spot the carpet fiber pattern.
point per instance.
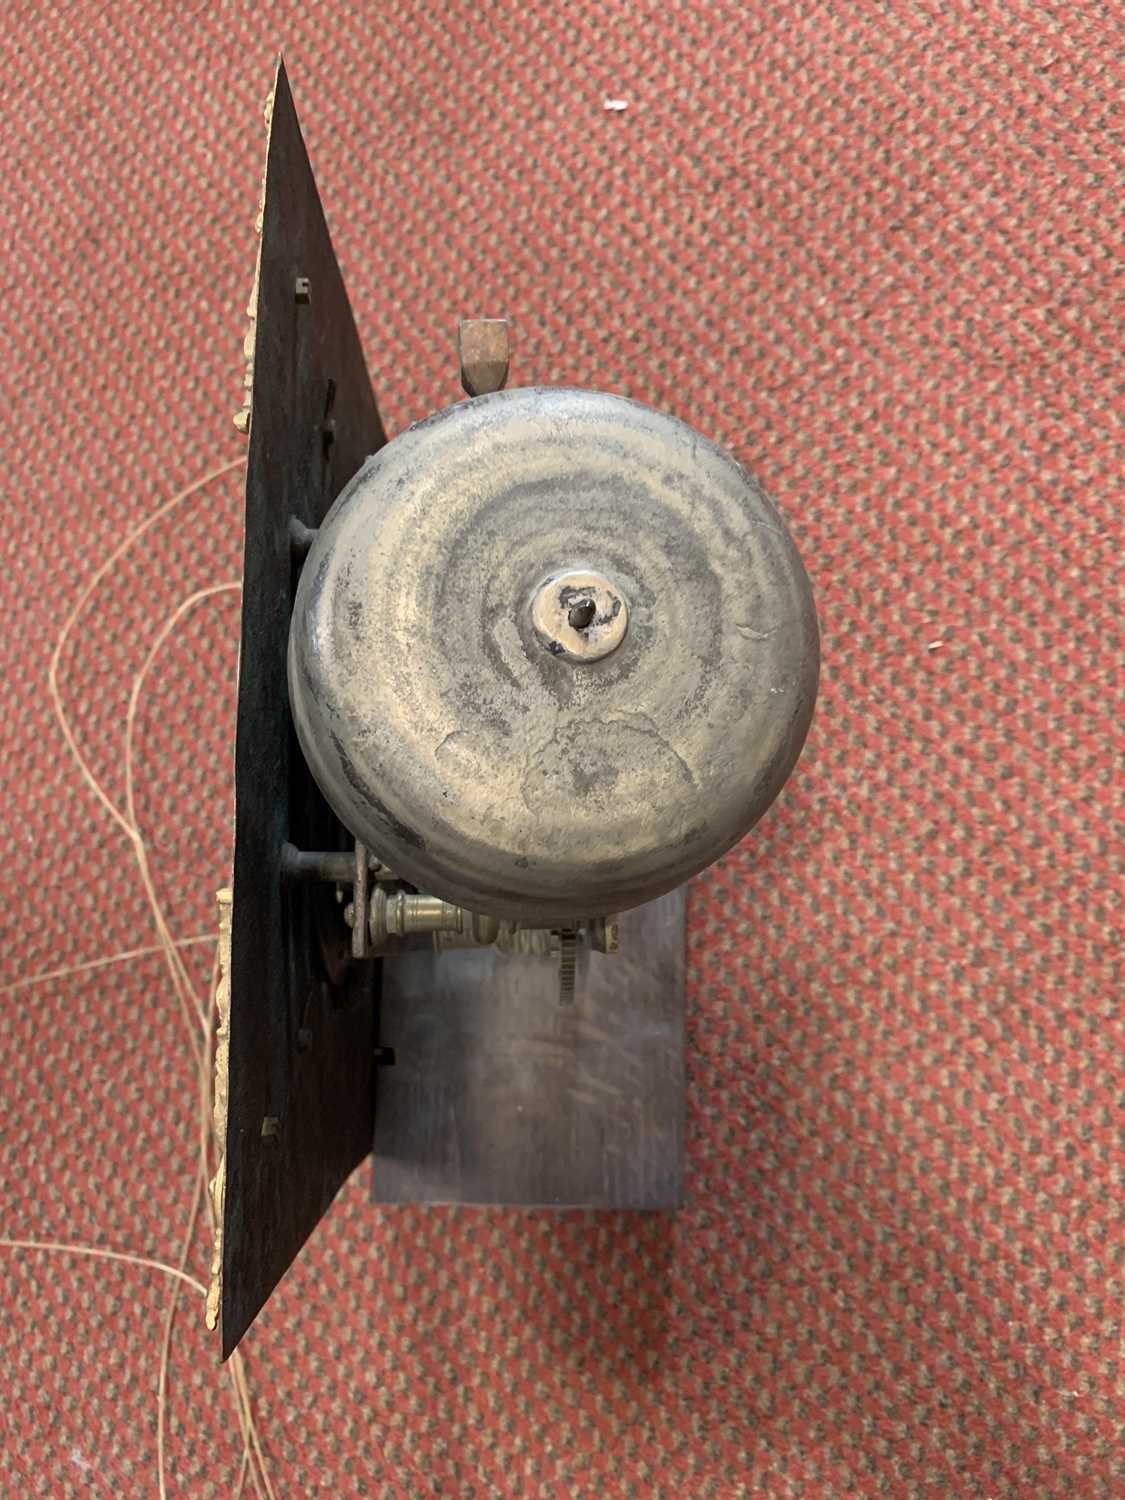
(875, 249)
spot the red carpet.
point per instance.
(874, 249)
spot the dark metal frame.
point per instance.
(302, 1016)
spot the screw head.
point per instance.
(580, 615)
(483, 351)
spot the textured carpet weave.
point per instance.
(875, 249)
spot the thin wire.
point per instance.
(102, 963)
(194, 1014)
(166, 1339)
(96, 1252)
(247, 1426)
(236, 1372)
(80, 604)
(180, 976)
(127, 827)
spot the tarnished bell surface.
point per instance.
(552, 653)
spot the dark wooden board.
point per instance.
(302, 1019)
(502, 1095)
